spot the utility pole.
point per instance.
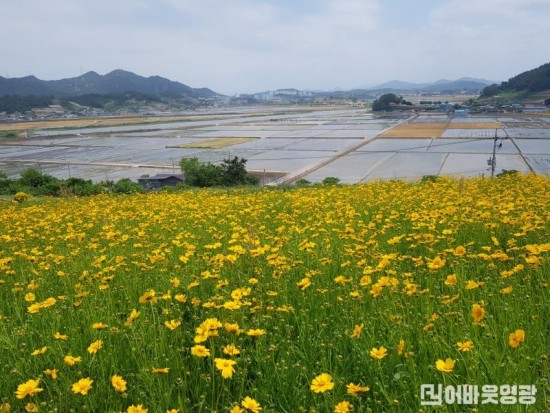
(493, 160)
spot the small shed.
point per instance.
(160, 181)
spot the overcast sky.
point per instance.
(234, 46)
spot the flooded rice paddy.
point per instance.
(353, 145)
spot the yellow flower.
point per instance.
(255, 332)
(226, 367)
(99, 326)
(470, 285)
(200, 351)
(39, 351)
(379, 353)
(118, 383)
(58, 336)
(343, 407)
(516, 338)
(136, 409)
(95, 346)
(29, 388)
(71, 361)
(400, 347)
(82, 386)
(477, 313)
(148, 297)
(355, 389)
(459, 251)
(446, 366)
(304, 283)
(180, 298)
(30, 297)
(231, 350)
(322, 383)
(232, 328)
(132, 317)
(163, 370)
(34, 308)
(451, 280)
(506, 290)
(237, 409)
(436, 263)
(51, 373)
(172, 324)
(31, 408)
(357, 330)
(251, 404)
(465, 345)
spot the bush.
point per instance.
(126, 186)
(79, 187)
(302, 182)
(331, 180)
(200, 174)
(429, 178)
(231, 172)
(507, 172)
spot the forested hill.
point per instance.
(117, 81)
(532, 81)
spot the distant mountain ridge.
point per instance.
(464, 83)
(117, 81)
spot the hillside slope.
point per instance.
(529, 82)
(117, 81)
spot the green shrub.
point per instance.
(508, 172)
(331, 180)
(126, 186)
(302, 182)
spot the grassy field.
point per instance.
(321, 299)
(214, 143)
(475, 125)
(416, 130)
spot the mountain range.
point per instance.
(464, 83)
(117, 81)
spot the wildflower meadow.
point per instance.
(317, 299)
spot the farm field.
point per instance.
(351, 144)
(319, 299)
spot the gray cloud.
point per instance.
(251, 45)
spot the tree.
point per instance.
(384, 102)
(231, 172)
(201, 174)
(234, 172)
